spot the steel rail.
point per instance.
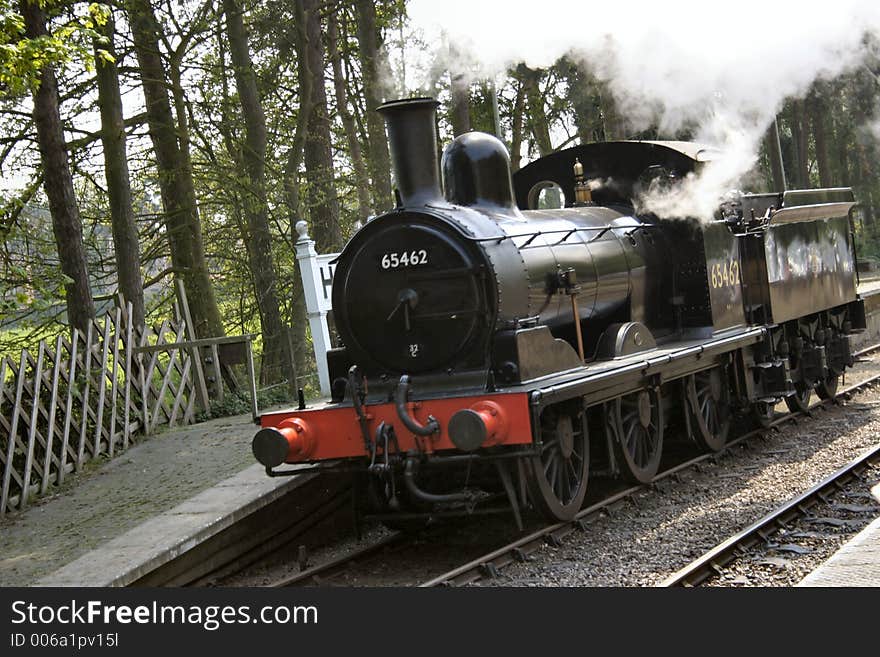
(320, 573)
(491, 563)
(234, 560)
(233, 557)
(518, 550)
(713, 561)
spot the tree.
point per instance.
(362, 181)
(537, 114)
(584, 98)
(58, 182)
(774, 155)
(183, 227)
(818, 113)
(258, 238)
(516, 128)
(799, 137)
(323, 204)
(125, 236)
(379, 159)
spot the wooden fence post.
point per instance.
(200, 385)
(32, 434)
(253, 380)
(102, 389)
(146, 384)
(13, 430)
(53, 406)
(126, 432)
(218, 375)
(68, 416)
(87, 359)
(114, 384)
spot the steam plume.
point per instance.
(722, 70)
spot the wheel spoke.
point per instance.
(705, 403)
(553, 471)
(572, 471)
(559, 474)
(548, 444)
(550, 460)
(647, 447)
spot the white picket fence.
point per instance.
(87, 395)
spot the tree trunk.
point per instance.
(774, 154)
(302, 355)
(537, 115)
(841, 147)
(799, 142)
(58, 182)
(125, 235)
(276, 357)
(379, 160)
(362, 182)
(862, 106)
(613, 125)
(323, 204)
(182, 224)
(818, 112)
(517, 127)
(581, 95)
(294, 156)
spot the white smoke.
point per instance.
(722, 70)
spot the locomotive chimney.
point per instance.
(412, 136)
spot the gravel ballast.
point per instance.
(657, 532)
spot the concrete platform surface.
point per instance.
(857, 563)
(105, 502)
(163, 537)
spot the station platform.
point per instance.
(113, 522)
(856, 564)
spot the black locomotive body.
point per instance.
(489, 345)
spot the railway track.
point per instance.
(325, 572)
(490, 564)
(714, 562)
(272, 536)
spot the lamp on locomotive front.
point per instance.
(482, 425)
(291, 441)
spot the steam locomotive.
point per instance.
(495, 353)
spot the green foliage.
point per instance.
(240, 403)
(576, 105)
(69, 39)
(30, 277)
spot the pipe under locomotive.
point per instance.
(476, 335)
